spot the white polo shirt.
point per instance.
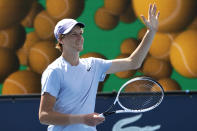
(74, 87)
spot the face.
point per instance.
(73, 40)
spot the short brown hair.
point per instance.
(59, 45)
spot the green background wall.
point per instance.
(108, 44)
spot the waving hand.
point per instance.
(153, 16)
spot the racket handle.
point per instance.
(106, 114)
(101, 115)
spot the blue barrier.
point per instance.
(177, 112)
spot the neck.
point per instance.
(71, 57)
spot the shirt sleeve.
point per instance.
(102, 67)
(50, 82)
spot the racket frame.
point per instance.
(126, 110)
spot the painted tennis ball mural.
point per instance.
(128, 45)
(22, 53)
(161, 44)
(41, 55)
(112, 12)
(105, 20)
(175, 40)
(128, 16)
(169, 84)
(193, 25)
(12, 12)
(60, 9)
(22, 82)
(183, 54)
(34, 10)
(156, 68)
(12, 37)
(175, 15)
(9, 63)
(44, 26)
(141, 33)
(116, 7)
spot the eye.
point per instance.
(74, 34)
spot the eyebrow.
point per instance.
(76, 31)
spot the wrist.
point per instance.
(76, 119)
(81, 119)
(152, 31)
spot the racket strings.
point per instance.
(144, 94)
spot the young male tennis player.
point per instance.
(69, 84)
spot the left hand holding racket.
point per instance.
(92, 119)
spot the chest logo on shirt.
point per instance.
(89, 68)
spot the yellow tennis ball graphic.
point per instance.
(34, 10)
(128, 46)
(9, 63)
(31, 39)
(22, 53)
(156, 68)
(116, 7)
(41, 55)
(105, 20)
(22, 82)
(183, 54)
(12, 37)
(22, 56)
(161, 44)
(13, 11)
(141, 33)
(169, 84)
(60, 9)
(44, 26)
(193, 25)
(128, 16)
(175, 15)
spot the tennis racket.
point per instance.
(146, 94)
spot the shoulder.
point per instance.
(55, 66)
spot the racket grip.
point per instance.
(106, 114)
(101, 115)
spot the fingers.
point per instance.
(93, 119)
(98, 119)
(154, 10)
(157, 17)
(144, 19)
(150, 10)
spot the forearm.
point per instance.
(56, 118)
(137, 57)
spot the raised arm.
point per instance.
(134, 61)
(48, 116)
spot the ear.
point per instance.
(59, 41)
